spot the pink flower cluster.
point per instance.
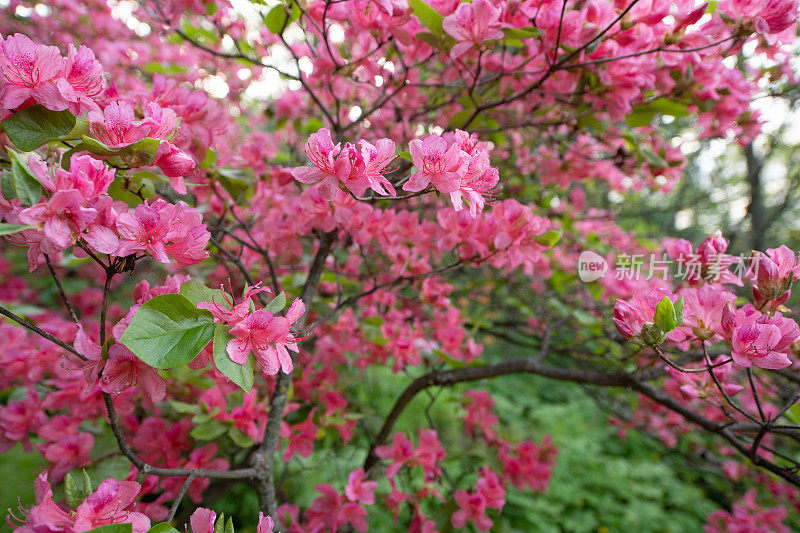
(358, 170)
(76, 207)
(747, 516)
(456, 164)
(35, 73)
(261, 332)
(772, 275)
(473, 23)
(331, 511)
(489, 493)
(111, 503)
(401, 452)
(117, 126)
(759, 339)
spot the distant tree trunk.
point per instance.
(756, 209)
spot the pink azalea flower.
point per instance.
(87, 175)
(265, 523)
(175, 164)
(472, 508)
(259, 333)
(144, 229)
(436, 163)
(84, 76)
(478, 181)
(117, 125)
(472, 24)
(124, 370)
(231, 312)
(355, 515)
(358, 489)
(70, 451)
(321, 151)
(30, 71)
(491, 489)
(61, 218)
(754, 344)
(377, 159)
(110, 504)
(202, 520)
(351, 170)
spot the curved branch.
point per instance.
(589, 377)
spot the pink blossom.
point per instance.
(84, 74)
(202, 520)
(70, 451)
(472, 24)
(472, 508)
(117, 125)
(265, 523)
(144, 229)
(124, 370)
(31, 71)
(436, 163)
(110, 504)
(754, 344)
(358, 489)
(351, 170)
(321, 151)
(231, 312)
(261, 332)
(175, 164)
(377, 159)
(491, 489)
(61, 218)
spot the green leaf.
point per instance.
(549, 239)
(94, 146)
(141, 153)
(196, 292)
(652, 158)
(71, 493)
(209, 430)
(8, 229)
(242, 375)
(219, 527)
(36, 125)
(239, 437)
(668, 315)
(428, 16)
(229, 526)
(638, 119)
(87, 482)
(665, 106)
(277, 304)
(113, 528)
(236, 181)
(168, 331)
(279, 18)
(521, 33)
(162, 527)
(23, 183)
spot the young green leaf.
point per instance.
(277, 304)
(168, 331)
(8, 229)
(23, 183)
(428, 16)
(36, 125)
(668, 315)
(242, 375)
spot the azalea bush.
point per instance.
(246, 244)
